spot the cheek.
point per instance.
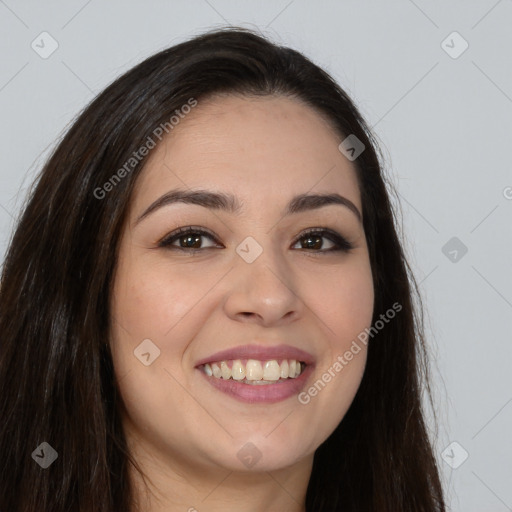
(153, 302)
(147, 303)
(346, 309)
(344, 305)
(344, 301)
(150, 301)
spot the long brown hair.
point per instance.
(56, 372)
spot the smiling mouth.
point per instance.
(254, 371)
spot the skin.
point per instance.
(184, 433)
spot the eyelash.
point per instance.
(341, 243)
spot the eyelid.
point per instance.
(185, 230)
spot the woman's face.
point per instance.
(248, 291)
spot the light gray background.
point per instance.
(445, 124)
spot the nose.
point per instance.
(263, 292)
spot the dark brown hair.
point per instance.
(56, 372)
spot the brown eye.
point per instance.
(189, 239)
(314, 241)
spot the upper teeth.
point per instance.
(254, 369)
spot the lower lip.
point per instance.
(263, 393)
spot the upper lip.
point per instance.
(259, 352)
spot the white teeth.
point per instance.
(225, 369)
(216, 371)
(293, 366)
(271, 371)
(238, 370)
(285, 373)
(254, 371)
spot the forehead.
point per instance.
(264, 148)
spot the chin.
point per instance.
(259, 454)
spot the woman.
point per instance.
(205, 304)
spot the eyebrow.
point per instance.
(230, 204)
